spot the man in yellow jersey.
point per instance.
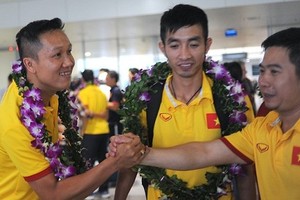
(95, 128)
(186, 112)
(271, 142)
(34, 162)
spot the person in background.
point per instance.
(114, 103)
(237, 72)
(186, 102)
(34, 164)
(94, 129)
(249, 86)
(271, 142)
(114, 119)
(131, 73)
(102, 82)
(9, 80)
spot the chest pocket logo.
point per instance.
(165, 116)
(262, 147)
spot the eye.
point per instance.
(261, 70)
(274, 72)
(194, 45)
(57, 55)
(173, 45)
(70, 51)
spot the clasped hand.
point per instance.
(127, 145)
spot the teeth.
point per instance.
(65, 73)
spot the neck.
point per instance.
(185, 92)
(289, 119)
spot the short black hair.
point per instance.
(133, 70)
(28, 38)
(180, 16)
(113, 74)
(88, 75)
(289, 39)
(235, 70)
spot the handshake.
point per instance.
(128, 149)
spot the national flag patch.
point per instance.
(212, 121)
(296, 156)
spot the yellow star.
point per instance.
(217, 122)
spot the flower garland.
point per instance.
(230, 94)
(64, 157)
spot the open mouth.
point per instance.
(68, 73)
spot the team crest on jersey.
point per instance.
(262, 147)
(296, 156)
(212, 121)
(165, 116)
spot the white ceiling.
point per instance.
(136, 34)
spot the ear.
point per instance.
(162, 48)
(208, 44)
(29, 63)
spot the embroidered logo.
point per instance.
(212, 121)
(296, 156)
(165, 116)
(262, 147)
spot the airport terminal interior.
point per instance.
(123, 34)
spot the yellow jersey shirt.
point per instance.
(19, 161)
(276, 155)
(178, 123)
(94, 100)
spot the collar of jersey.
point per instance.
(205, 93)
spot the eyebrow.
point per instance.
(269, 65)
(195, 38)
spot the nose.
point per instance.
(185, 52)
(69, 61)
(263, 80)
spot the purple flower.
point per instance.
(34, 93)
(26, 105)
(54, 162)
(68, 171)
(137, 77)
(38, 109)
(236, 169)
(236, 88)
(219, 71)
(37, 143)
(27, 118)
(238, 117)
(17, 66)
(150, 71)
(145, 96)
(54, 151)
(239, 98)
(36, 129)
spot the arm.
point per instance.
(190, 156)
(113, 105)
(103, 115)
(48, 187)
(247, 183)
(125, 181)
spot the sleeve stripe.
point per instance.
(38, 175)
(236, 151)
